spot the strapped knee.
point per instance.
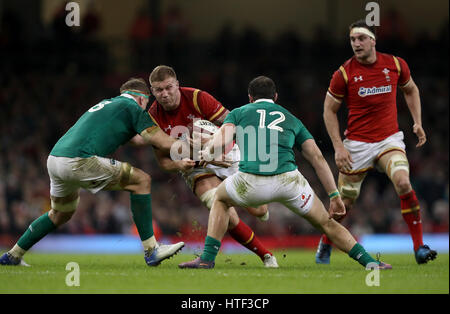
(395, 163)
(125, 174)
(207, 198)
(70, 206)
(349, 189)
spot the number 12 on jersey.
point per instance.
(274, 124)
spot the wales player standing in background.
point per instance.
(266, 134)
(368, 84)
(78, 160)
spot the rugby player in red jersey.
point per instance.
(174, 110)
(368, 83)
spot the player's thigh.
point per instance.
(205, 184)
(130, 179)
(317, 215)
(394, 162)
(350, 185)
(223, 196)
(63, 207)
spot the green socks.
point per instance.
(141, 208)
(211, 249)
(359, 254)
(36, 231)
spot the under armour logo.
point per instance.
(358, 78)
(191, 117)
(168, 128)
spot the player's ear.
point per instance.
(141, 101)
(250, 98)
(275, 98)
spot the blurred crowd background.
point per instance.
(49, 76)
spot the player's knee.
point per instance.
(403, 185)
(349, 191)
(207, 198)
(60, 217)
(397, 168)
(144, 182)
(234, 219)
(63, 207)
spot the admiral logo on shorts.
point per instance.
(367, 91)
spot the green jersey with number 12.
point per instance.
(266, 134)
(103, 128)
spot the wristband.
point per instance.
(334, 194)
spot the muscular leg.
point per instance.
(138, 183)
(396, 168)
(237, 229)
(62, 210)
(340, 236)
(349, 187)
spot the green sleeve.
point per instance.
(302, 135)
(141, 119)
(231, 117)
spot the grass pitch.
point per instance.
(233, 274)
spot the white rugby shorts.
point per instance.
(290, 189)
(365, 155)
(68, 175)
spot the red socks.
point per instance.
(411, 214)
(245, 236)
(410, 207)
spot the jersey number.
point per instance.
(274, 124)
(99, 106)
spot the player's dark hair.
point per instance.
(135, 84)
(262, 87)
(160, 73)
(362, 23)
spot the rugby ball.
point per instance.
(204, 127)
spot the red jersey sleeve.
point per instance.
(338, 86)
(209, 107)
(405, 74)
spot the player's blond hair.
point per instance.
(160, 73)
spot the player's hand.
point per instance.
(185, 164)
(343, 159)
(420, 133)
(337, 208)
(219, 163)
(206, 158)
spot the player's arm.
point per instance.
(219, 120)
(223, 137)
(312, 153)
(412, 98)
(156, 137)
(167, 164)
(342, 156)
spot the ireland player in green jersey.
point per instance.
(266, 134)
(79, 160)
